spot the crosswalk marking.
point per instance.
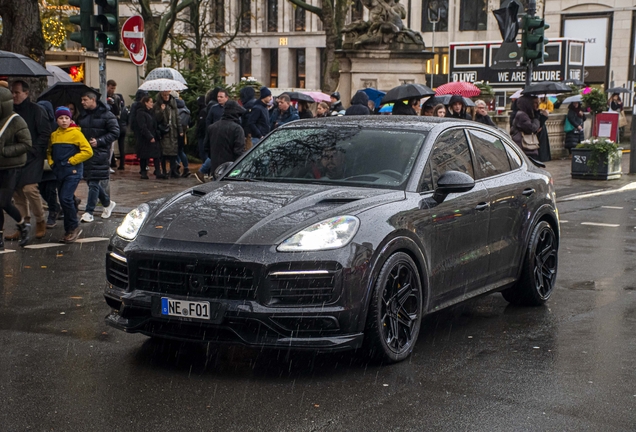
(82, 240)
(601, 224)
(612, 207)
(6, 251)
(563, 221)
(91, 239)
(43, 245)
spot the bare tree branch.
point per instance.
(313, 9)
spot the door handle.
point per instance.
(528, 192)
(482, 206)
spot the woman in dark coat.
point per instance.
(544, 139)
(303, 110)
(401, 108)
(576, 117)
(525, 122)
(148, 146)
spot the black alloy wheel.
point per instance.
(395, 313)
(538, 276)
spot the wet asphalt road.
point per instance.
(483, 366)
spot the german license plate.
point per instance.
(185, 309)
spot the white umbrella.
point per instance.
(167, 73)
(58, 75)
(517, 94)
(575, 98)
(162, 84)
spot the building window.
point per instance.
(245, 63)
(218, 14)
(576, 53)
(470, 57)
(246, 16)
(435, 11)
(554, 54)
(272, 15)
(273, 68)
(300, 68)
(473, 15)
(357, 11)
(299, 19)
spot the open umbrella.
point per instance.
(407, 91)
(546, 87)
(63, 93)
(618, 90)
(57, 75)
(445, 99)
(167, 73)
(12, 64)
(387, 108)
(318, 96)
(516, 95)
(162, 84)
(374, 95)
(461, 88)
(575, 98)
(298, 96)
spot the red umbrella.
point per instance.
(461, 88)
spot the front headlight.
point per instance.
(133, 222)
(332, 233)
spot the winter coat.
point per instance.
(40, 129)
(147, 130)
(132, 117)
(168, 117)
(225, 139)
(246, 96)
(258, 120)
(184, 114)
(524, 121)
(278, 119)
(359, 104)
(462, 113)
(47, 175)
(102, 125)
(544, 140)
(215, 112)
(574, 137)
(400, 108)
(485, 119)
(68, 149)
(305, 114)
(15, 141)
(337, 109)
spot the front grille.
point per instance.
(298, 288)
(116, 272)
(201, 279)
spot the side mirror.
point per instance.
(222, 169)
(452, 182)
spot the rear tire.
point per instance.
(538, 275)
(395, 312)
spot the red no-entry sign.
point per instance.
(132, 34)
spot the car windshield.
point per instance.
(348, 156)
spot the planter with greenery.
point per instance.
(598, 159)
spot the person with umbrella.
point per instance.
(27, 194)
(117, 107)
(336, 109)
(15, 143)
(402, 108)
(148, 145)
(576, 118)
(457, 108)
(169, 125)
(359, 104)
(525, 122)
(101, 129)
(258, 118)
(285, 112)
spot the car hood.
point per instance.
(256, 213)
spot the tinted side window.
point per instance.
(492, 157)
(450, 153)
(515, 160)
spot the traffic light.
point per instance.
(533, 40)
(85, 36)
(107, 24)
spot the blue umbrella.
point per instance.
(374, 95)
(387, 108)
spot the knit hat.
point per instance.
(265, 92)
(62, 111)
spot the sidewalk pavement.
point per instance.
(128, 190)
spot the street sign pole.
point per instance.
(101, 55)
(530, 11)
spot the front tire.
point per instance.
(538, 275)
(395, 312)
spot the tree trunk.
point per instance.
(155, 52)
(331, 66)
(22, 34)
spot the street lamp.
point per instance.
(434, 22)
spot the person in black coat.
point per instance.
(258, 118)
(525, 123)
(48, 184)
(101, 129)
(482, 114)
(248, 99)
(359, 104)
(544, 140)
(576, 117)
(27, 195)
(148, 146)
(457, 108)
(401, 108)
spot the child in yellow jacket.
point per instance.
(68, 149)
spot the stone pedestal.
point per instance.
(380, 69)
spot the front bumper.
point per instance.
(268, 313)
